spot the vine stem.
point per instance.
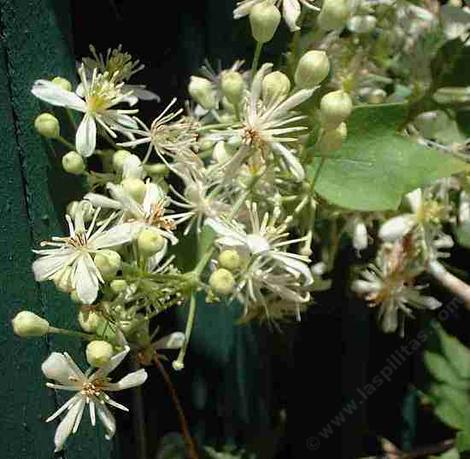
(257, 55)
(178, 364)
(138, 417)
(65, 142)
(191, 448)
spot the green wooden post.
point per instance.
(33, 194)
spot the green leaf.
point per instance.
(456, 353)
(451, 454)
(463, 440)
(443, 371)
(449, 415)
(376, 166)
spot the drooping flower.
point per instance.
(73, 253)
(101, 94)
(91, 390)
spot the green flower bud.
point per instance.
(362, 24)
(118, 285)
(312, 69)
(119, 158)
(73, 163)
(135, 187)
(87, 208)
(335, 107)
(62, 83)
(47, 125)
(63, 279)
(275, 86)
(264, 20)
(376, 96)
(232, 85)
(202, 91)
(205, 144)
(89, 321)
(333, 15)
(333, 140)
(75, 298)
(222, 281)
(150, 241)
(26, 324)
(229, 259)
(159, 169)
(99, 353)
(221, 152)
(108, 263)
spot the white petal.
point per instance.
(141, 92)
(85, 139)
(294, 165)
(98, 200)
(173, 341)
(415, 198)
(291, 12)
(116, 120)
(292, 102)
(296, 265)
(55, 95)
(134, 379)
(360, 239)
(45, 267)
(132, 167)
(57, 368)
(107, 419)
(111, 365)
(397, 227)
(257, 244)
(65, 427)
(129, 204)
(153, 195)
(225, 231)
(256, 87)
(86, 279)
(118, 235)
(244, 7)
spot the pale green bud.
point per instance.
(362, 24)
(376, 96)
(156, 169)
(63, 279)
(26, 324)
(202, 91)
(118, 285)
(335, 107)
(275, 86)
(333, 15)
(229, 259)
(232, 85)
(135, 187)
(89, 321)
(221, 152)
(62, 83)
(205, 144)
(108, 263)
(75, 298)
(222, 281)
(73, 163)
(86, 206)
(235, 141)
(312, 69)
(99, 353)
(264, 20)
(150, 241)
(333, 139)
(47, 125)
(119, 158)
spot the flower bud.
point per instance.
(26, 324)
(362, 24)
(335, 107)
(75, 298)
(376, 96)
(150, 241)
(119, 158)
(89, 321)
(232, 85)
(229, 259)
(135, 187)
(205, 144)
(47, 125)
(312, 69)
(264, 20)
(62, 83)
(333, 15)
(221, 152)
(118, 285)
(86, 207)
(159, 169)
(108, 263)
(202, 91)
(222, 281)
(63, 280)
(73, 163)
(333, 139)
(275, 86)
(99, 353)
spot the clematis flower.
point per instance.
(291, 10)
(73, 254)
(90, 390)
(101, 94)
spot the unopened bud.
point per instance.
(86, 207)
(47, 125)
(232, 85)
(108, 263)
(160, 169)
(119, 158)
(229, 259)
(376, 96)
(202, 91)
(222, 281)
(264, 20)
(89, 321)
(62, 83)
(63, 279)
(333, 139)
(73, 163)
(135, 187)
(205, 144)
(221, 152)
(150, 241)
(275, 86)
(26, 324)
(118, 285)
(362, 24)
(335, 107)
(312, 69)
(99, 353)
(333, 15)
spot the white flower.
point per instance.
(90, 390)
(264, 128)
(100, 95)
(266, 241)
(290, 10)
(75, 251)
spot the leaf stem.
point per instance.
(73, 333)
(65, 142)
(178, 364)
